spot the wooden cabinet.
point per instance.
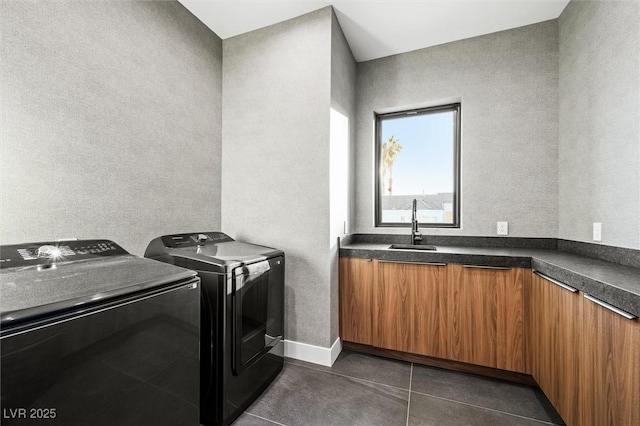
(585, 357)
(356, 287)
(409, 308)
(486, 315)
(610, 376)
(472, 315)
(555, 339)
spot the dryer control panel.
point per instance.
(47, 253)
(195, 239)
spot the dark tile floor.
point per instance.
(365, 390)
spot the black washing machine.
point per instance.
(242, 317)
(91, 335)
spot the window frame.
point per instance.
(456, 108)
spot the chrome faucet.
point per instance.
(416, 236)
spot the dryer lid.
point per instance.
(217, 252)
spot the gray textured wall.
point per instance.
(599, 146)
(343, 100)
(275, 171)
(111, 122)
(508, 85)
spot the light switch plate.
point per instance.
(597, 231)
(503, 228)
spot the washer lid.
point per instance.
(35, 292)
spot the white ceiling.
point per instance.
(375, 29)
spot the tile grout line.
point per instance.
(350, 377)
(486, 408)
(410, 391)
(421, 393)
(264, 418)
(409, 399)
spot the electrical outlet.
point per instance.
(597, 231)
(503, 228)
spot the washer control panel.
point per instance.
(43, 253)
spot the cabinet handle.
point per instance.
(495, 268)
(605, 305)
(412, 263)
(558, 283)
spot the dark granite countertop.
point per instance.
(616, 284)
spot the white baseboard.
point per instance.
(311, 353)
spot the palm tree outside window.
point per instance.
(390, 151)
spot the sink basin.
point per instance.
(412, 247)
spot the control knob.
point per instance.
(49, 252)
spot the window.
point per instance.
(418, 157)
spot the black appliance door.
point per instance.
(258, 303)
(133, 361)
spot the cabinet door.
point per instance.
(486, 314)
(356, 284)
(610, 377)
(410, 308)
(556, 321)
